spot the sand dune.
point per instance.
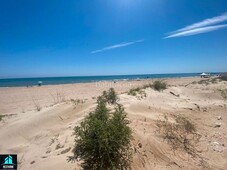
(44, 139)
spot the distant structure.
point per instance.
(40, 83)
(205, 75)
(223, 76)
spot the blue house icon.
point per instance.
(8, 160)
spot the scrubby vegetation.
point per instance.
(139, 92)
(37, 105)
(110, 96)
(207, 81)
(134, 91)
(77, 101)
(159, 85)
(103, 138)
(58, 97)
(181, 135)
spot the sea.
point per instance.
(20, 82)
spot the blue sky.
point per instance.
(42, 38)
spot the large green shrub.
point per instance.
(103, 139)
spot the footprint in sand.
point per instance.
(65, 151)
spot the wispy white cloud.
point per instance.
(200, 27)
(124, 44)
(197, 31)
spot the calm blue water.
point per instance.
(15, 82)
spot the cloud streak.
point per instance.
(197, 31)
(124, 44)
(200, 27)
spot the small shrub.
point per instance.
(159, 85)
(103, 139)
(112, 96)
(185, 124)
(58, 97)
(37, 105)
(142, 94)
(137, 91)
(109, 96)
(134, 91)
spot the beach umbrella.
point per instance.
(40, 83)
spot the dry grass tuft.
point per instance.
(36, 105)
(159, 85)
(180, 135)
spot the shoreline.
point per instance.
(100, 81)
(28, 82)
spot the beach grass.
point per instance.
(181, 134)
(159, 85)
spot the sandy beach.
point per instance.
(38, 122)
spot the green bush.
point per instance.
(159, 85)
(103, 139)
(110, 96)
(1, 116)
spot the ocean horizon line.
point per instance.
(213, 72)
(33, 81)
